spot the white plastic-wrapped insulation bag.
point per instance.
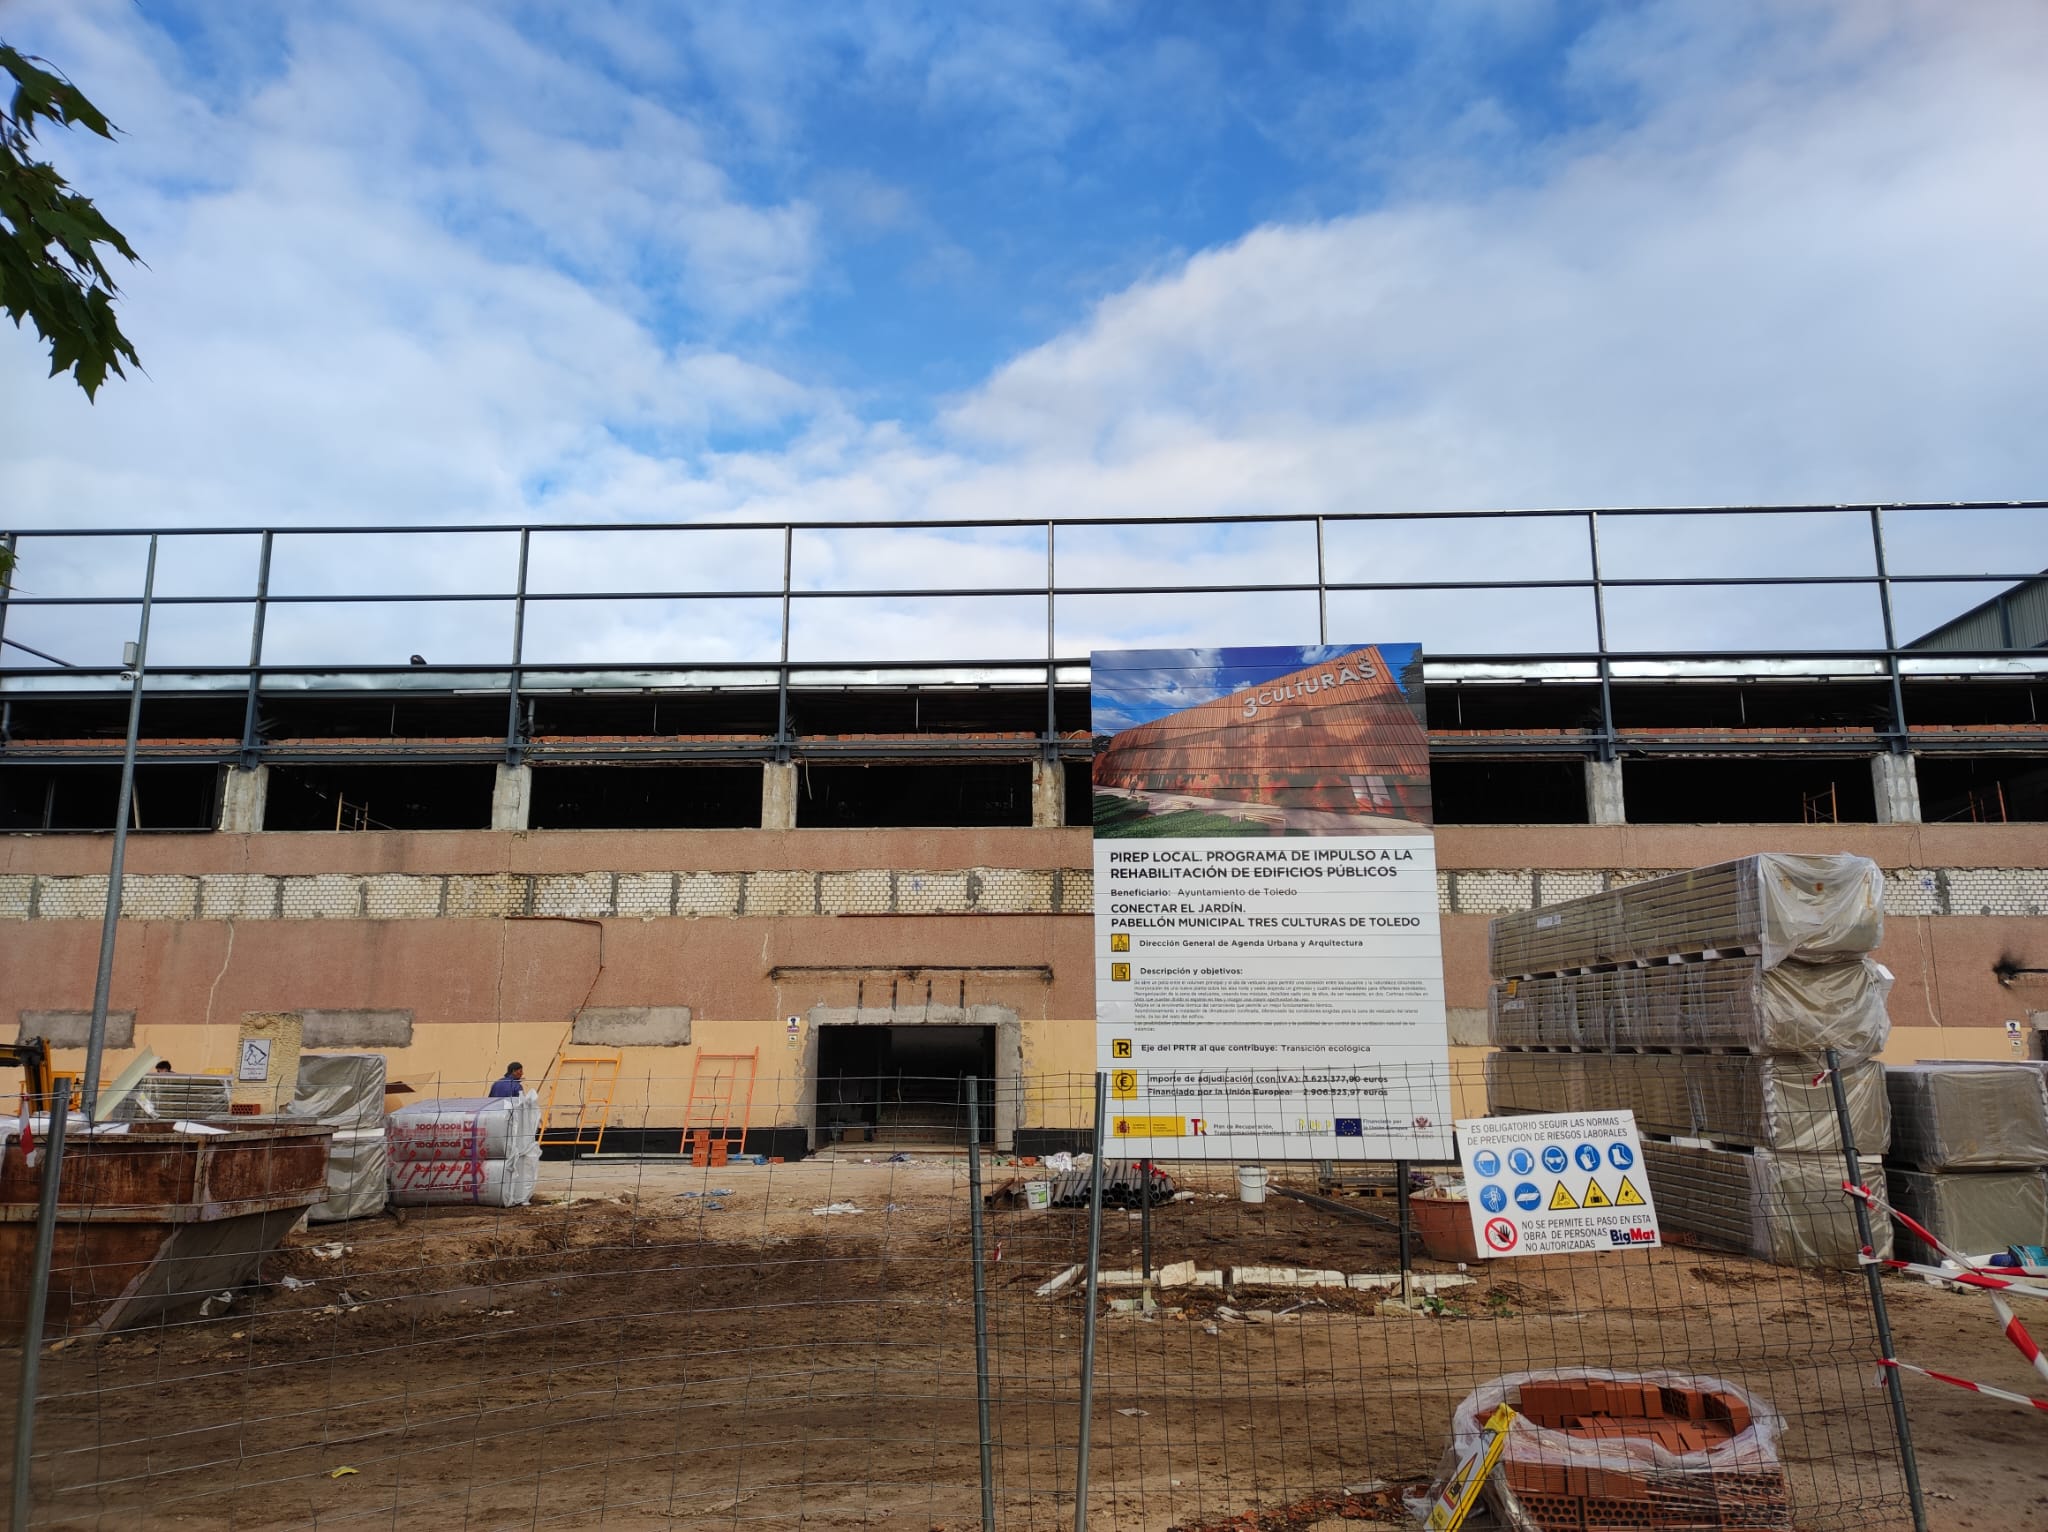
(464, 1128)
(482, 1150)
(505, 1183)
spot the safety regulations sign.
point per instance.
(1269, 970)
(1558, 1184)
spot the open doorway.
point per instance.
(904, 1084)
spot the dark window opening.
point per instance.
(1748, 791)
(746, 711)
(971, 794)
(1983, 789)
(646, 798)
(1955, 704)
(1508, 792)
(1080, 806)
(1513, 706)
(35, 719)
(1737, 705)
(976, 709)
(324, 716)
(903, 1084)
(308, 797)
(86, 797)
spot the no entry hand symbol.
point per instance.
(1501, 1234)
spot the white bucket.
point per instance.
(1251, 1183)
(1038, 1195)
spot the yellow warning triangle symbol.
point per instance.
(1596, 1198)
(1628, 1196)
(1562, 1198)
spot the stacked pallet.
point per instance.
(346, 1092)
(166, 1097)
(1751, 1101)
(1703, 1002)
(1679, 1425)
(1599, 1451)
(1970, 1144)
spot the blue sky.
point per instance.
(1132, 686)
(625, 260)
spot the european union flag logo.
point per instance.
(1351, 1127)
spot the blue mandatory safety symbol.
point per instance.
(1588, 1157)
(1527, 1198)
(1521, 1161)
(1492, 1198)
(1554, 1159)
(1486, 1162)
(1351, 1127)
(1621, 1156)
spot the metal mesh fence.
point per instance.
(790, 1336)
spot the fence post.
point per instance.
(1088, 1324)
(1893, 1387)
(59, 1102)
(1145, 1221)
(981, 1400)
(1401, 1215)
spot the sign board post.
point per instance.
(1557, 1184)
(1269, 967)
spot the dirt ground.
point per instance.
(661, 1346)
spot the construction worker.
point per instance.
(514, 1082)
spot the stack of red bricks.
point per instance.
(1684, 1421)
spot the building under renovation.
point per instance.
(779, 834)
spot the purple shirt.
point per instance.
(506, 1087)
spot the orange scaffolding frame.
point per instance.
(715, 1119)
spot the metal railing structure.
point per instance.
(1321, 567)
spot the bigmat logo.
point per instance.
(1632, 1236)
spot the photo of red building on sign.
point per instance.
(1314, 741)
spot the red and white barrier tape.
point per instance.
(1976, 1388)
(1878, 1204)
(1976, 1279)
(2008, 1322)
(2017, 1334)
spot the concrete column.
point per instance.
(512, 798)
(242, 798)
(1048, 794)
(1897, 780)
(778, 795)
(1604, 805)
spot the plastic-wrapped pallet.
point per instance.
(1788, 1208)
(1968, 1116)
(1774, 906)
(1765, 1103)
(346, 1090)
(1715, 1469)
(166, 1097)
(474, 1149)
(465, 1127)
(1973, 1212)
(1794, 1008)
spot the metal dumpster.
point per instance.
(152, 1221)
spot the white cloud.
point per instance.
(1798, 262)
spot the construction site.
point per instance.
(817, 1198)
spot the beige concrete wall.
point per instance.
(419, 922)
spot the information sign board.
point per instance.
(1269, 967)
(1557, 1184)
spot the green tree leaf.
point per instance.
(52, 273)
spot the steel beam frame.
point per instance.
(519, 677)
